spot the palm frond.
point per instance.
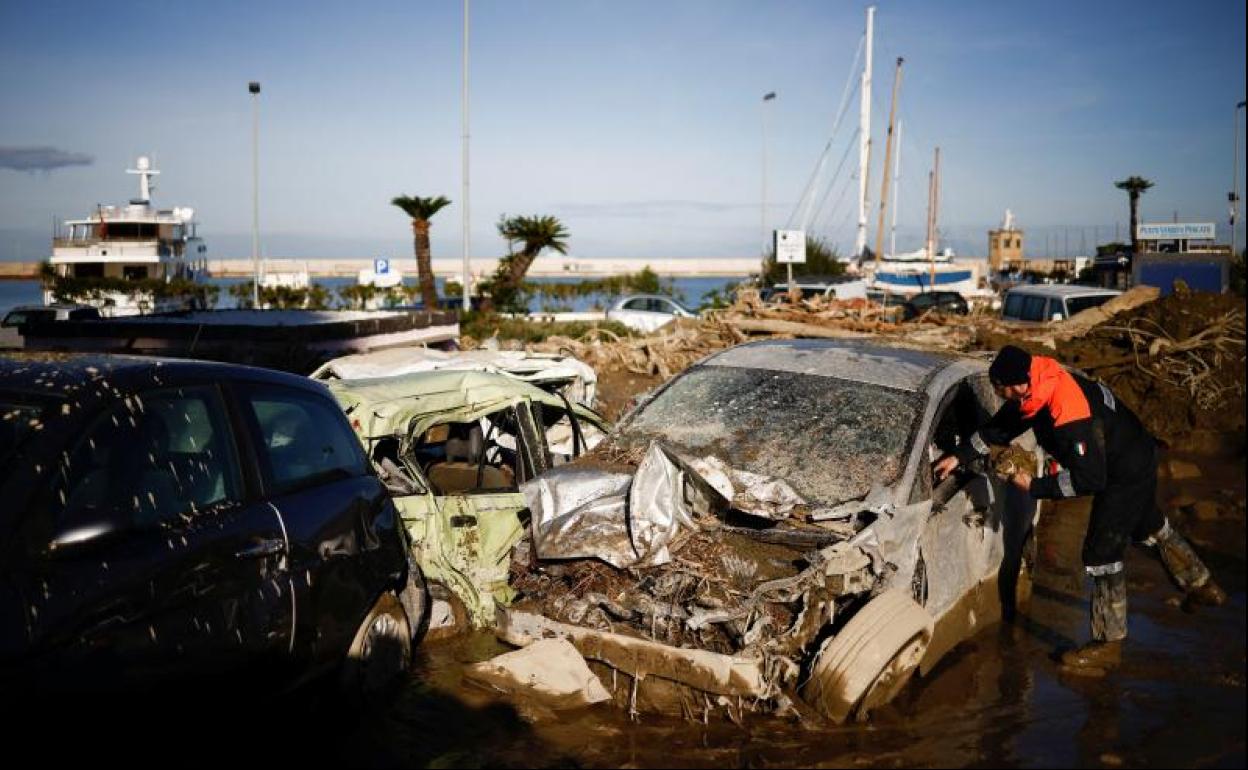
(421, 208)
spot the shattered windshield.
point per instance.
(831, 439)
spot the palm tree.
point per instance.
(421, 210)
(534, 234)
(1135, 186)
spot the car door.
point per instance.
(635, 314)
(148, 558)
(338, 520)
(961, 546)
(463, 538)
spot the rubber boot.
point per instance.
(1109, 625)
(1187, 570)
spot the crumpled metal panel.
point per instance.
(580, 513)
(624, 520)
(656, 506)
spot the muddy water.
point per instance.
(997, 700)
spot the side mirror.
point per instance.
(1057, 317)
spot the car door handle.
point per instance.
(261, 549)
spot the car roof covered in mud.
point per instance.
(851, 360)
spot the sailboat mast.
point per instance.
(933, 202)
(864, 137)
(892, 238)
(888, 161)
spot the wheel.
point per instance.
(381, 651)
(871, 659)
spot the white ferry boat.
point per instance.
(124, 253)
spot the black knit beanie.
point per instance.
(1012, 366)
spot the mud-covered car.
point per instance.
(764, 533)
(551, 372)
(191, 528)
(453, 447)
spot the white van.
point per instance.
(1052, 302)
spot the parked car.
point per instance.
(781, 534)
(194, 528)
(1052, 302)
(24, 314)
(939, 301)
(647, 312)
(843, 288)
(453, 447)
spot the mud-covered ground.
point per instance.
(998, 700)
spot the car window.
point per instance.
(304, 440)
(1056, 309)
(155, 458)
(830, 438)
(636, 304)
(19, 317)
(1079, 304)
(1033, 309)
(83, 314)
(1013, 306)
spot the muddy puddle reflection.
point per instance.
(997, 700)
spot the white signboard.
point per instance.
(791, 247)
(381, 266)
(1174, 231)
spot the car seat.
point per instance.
(464, 469)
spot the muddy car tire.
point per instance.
(380, 653)
(872, 658)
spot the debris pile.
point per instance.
(680, 558)
(1177, 362)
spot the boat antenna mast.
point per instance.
(864, 138)
(888, 161)
(143, 167)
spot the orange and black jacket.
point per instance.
(1096, 439)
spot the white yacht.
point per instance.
(135, 243)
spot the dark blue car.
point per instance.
(167, 522)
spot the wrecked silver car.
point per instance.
(764, 534)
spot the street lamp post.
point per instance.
(1234, 196)
(464, 150)
(253, 88)
(770, 96)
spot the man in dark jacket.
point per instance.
(1104, 451)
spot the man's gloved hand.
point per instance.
(944, 466)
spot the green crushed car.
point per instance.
(453, 448)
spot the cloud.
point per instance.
(41, 158)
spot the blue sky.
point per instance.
(638, 124)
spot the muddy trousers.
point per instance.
(1109, 582)
(1121, 514)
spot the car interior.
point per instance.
(470, 457)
